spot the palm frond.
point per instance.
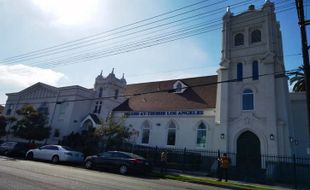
(298, 82)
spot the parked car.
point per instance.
(13, 148)
(123, 162)
(55, 153)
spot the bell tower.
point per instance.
(253, 100)
(108, 94)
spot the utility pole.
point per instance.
(305, 53)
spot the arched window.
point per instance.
(239, 39)
(239, 72)
(9, 110)
(171, 134)
(43, 108)
(247, 100)
(96, 107)
(87, 125)
(255, 74)
(256, 36)
(116, 94)
(201, 135)
(179, 87)
(62, 108)
(99, 107)
(100, 92)
(56, 133)
(146, 133)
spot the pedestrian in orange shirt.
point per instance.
(224, 165)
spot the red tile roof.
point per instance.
(201, 97)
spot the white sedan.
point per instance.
(55, 153)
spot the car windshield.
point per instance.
(8, 144)
(133, 155)
(105, 154)
(68, 148)
(21, 145)
(3, 144)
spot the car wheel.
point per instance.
(29, 156)
(123, 169)
(89, 164)
(55, 159)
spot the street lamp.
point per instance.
(222, 136)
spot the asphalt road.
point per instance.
(34, 175)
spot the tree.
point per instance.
(113, 134)
(299, 81)
(90, 141)
(86, 141)
(32, 124)
(3, 123)
(6, 122)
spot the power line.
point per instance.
(194, 68)
(117, 52)
(68, 44)
(170, 71)
(171, 90)
(114, 29)
(146, 39)
(139, 48)
(96, 42)
(140, 44)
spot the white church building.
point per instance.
(246, 107)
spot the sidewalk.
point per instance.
(201, 178)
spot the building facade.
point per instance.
(246, 108)
(1, 110)
(253, 55)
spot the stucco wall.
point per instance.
(186, 129)
(299, 131)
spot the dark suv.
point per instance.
(14, 149)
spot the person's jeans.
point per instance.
(223, 171)
(163, 167)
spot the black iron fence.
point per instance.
(291, 170)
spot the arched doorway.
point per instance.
(87, 125)
(248, 151)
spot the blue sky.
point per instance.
(28, 25)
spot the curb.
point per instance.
(214, 185)
(227, 186)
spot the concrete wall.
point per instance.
(186, 129)
(299, 130)
(271, 106)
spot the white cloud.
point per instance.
(23, 76)
(69, 12)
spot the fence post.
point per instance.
(294, 167)
(155, 155)
(218, 163)
(184, 159)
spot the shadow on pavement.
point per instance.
(5, 158)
